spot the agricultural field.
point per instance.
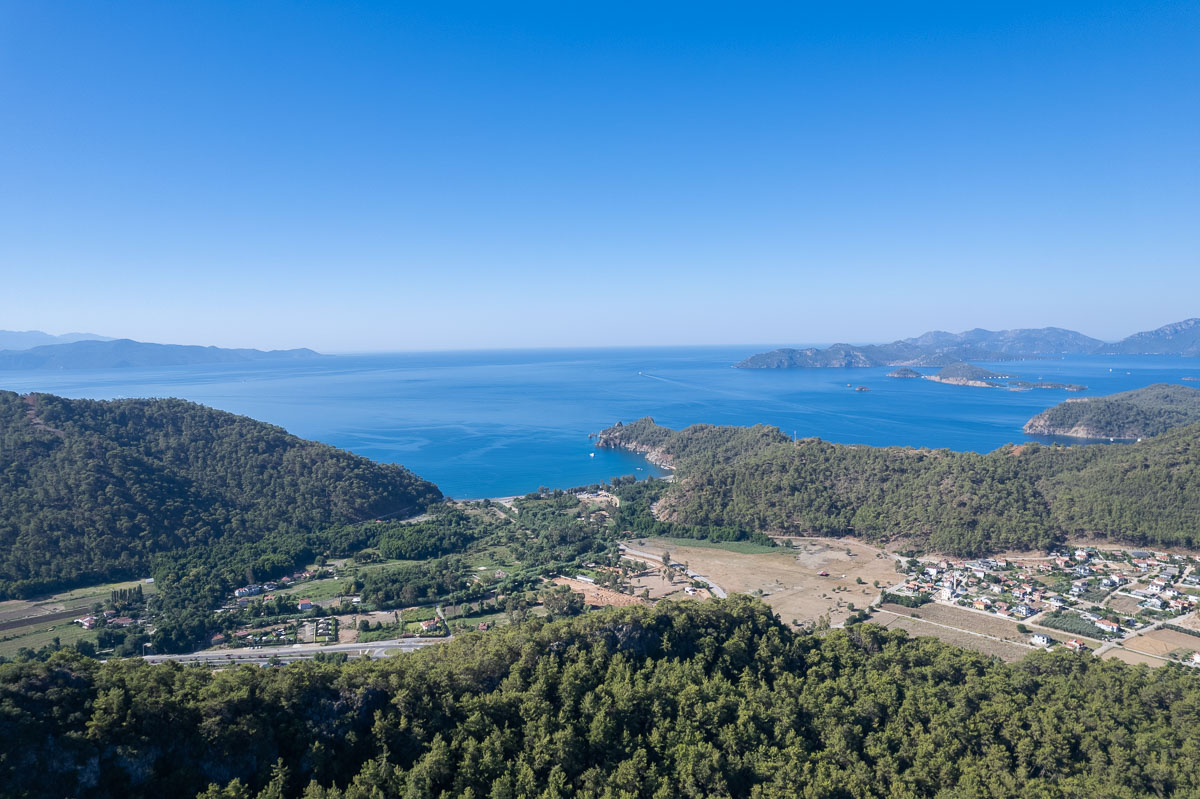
(1133, 658)
(980, 623)
(34, 623)
(1163, 643)
(1005, 650)
(596, 596)
(789, 578)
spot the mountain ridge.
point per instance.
(125, 353)
(940, 348)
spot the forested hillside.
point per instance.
(93, 490)
(683, 700)
(956, 502)
(1130, 414)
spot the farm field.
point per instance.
(34, 623)
(789, 577)
(982, 623)
(1004, 650)
(595, 595)
(1132, 658)
(1163, 642)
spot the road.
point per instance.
(287, 654)
(717, 590)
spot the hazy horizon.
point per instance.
(403, 178)
(749, 346)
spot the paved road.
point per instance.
(657, 559)
(374, 649)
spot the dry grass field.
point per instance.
(1132, 658)
(789, 577)
(1125, 605)
(1004, 650)
(597, 596)
(1163, 643)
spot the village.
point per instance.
(1102, 594)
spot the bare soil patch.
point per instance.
(1126, 605)
(789, 577)
(652, 579)
(1132, 658)
(597, 596)
(1162, 642)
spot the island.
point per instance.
(968, 374)
(1126, 416)
(939, 348)
(126, 353)
(904, 373)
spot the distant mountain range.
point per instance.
(120, 353)
(938, 348)
(26, 339)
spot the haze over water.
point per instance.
(495, 423)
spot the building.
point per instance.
(305, 604)
(1112, 628)
(1040, 640)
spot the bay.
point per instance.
(497, 423)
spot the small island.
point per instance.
(905, 373)
(863, 388)
(1126, 416)
(968, 374)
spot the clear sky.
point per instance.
(395, 175)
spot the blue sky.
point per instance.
(385, 176)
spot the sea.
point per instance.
(499, 423)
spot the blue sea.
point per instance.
(497, 423)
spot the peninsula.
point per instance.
(1130, 415)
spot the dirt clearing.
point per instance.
(789, 577)
(597, 596)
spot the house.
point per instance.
(1112, 628)
(429, 625)
(1040, 640)
(1196, 658)
(1024, 611)
(216, 640)
(981, 603)
(305, 604)
(121, 621)
(484, 626)
(1075, 645)
(87, 622)
(1081, 554)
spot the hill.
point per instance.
(93, 491)
(121, 353)
(686, 699)
(967, 374)
(1179, 338)
(936, 348)
(25, 339)
(905, 373)
(1129, 415)
(966, 503)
